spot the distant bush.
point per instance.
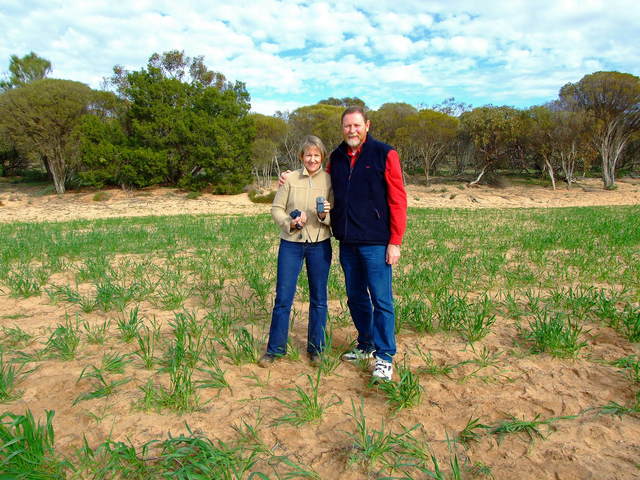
(101, 196)
(258, 197)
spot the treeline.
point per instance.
(175, 122)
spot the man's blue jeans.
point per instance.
(368, 281)
(291, 256)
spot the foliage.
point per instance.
(39, 119)
(612, 99)
(271, 133)
(343, 102)
(184, 125)
(493, 131)
(25, 70)
(386, 121)
(426, 136)
(320, 120)
(28, 448)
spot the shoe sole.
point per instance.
(349, 358)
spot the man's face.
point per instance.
(354, 129)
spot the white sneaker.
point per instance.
(383, 370)
(356, 354)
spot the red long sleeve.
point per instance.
(396, 198)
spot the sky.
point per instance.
(291, 53)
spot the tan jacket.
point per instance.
(299, 192)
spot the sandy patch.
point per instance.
(589, 446)
(18, 203)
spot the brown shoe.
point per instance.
(315, 359)
(266, 360)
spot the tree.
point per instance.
(612, 99)
(452, 107)
(320, 120)
(185, 125)
(40, 118)
(542, 135)
(386, 121)
(344, 102)
(493, 131)
(25, 70)
(427, 134)
(270, 134)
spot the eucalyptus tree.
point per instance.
(265, 149)
(493, 132)
(386, 121)
(542, 136)
(427, 135)
(321, 120)
(612, 100)
(344, 102)
(40, 119)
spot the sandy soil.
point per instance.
(587, 447)
(18, 203)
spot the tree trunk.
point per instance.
(58, 169)
(550, 169)
(611, 147)
(484, 169)
(426, 169)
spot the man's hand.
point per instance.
(283, 177)
(393, 254)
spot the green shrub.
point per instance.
(101, 196)
(257, 197)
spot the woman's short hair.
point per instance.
(312, 141)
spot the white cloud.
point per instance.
(292, 50)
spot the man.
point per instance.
(369, 219)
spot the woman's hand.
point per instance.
(300, 220)
(327, 207)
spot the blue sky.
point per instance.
(292, 53)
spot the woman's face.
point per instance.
(312, 160)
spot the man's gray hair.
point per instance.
(355, 109)
(312, 141)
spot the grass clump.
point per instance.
(531, 428)
(96, 334)
(554, 334)
(28, 448)
(102, 388)
(471, 431)
(15, 336)
(128, 326)
(242, 349)
(10, 376)
(65, 340)
(629, 324)
(101, 196)
(306, 407)
(431, 366)
(404, 393)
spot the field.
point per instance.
(518, 352)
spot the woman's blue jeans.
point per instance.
(291, 256)
(368, 280)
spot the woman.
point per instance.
(304, 237)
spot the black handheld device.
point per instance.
(295, 214)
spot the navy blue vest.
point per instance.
(360, 213)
